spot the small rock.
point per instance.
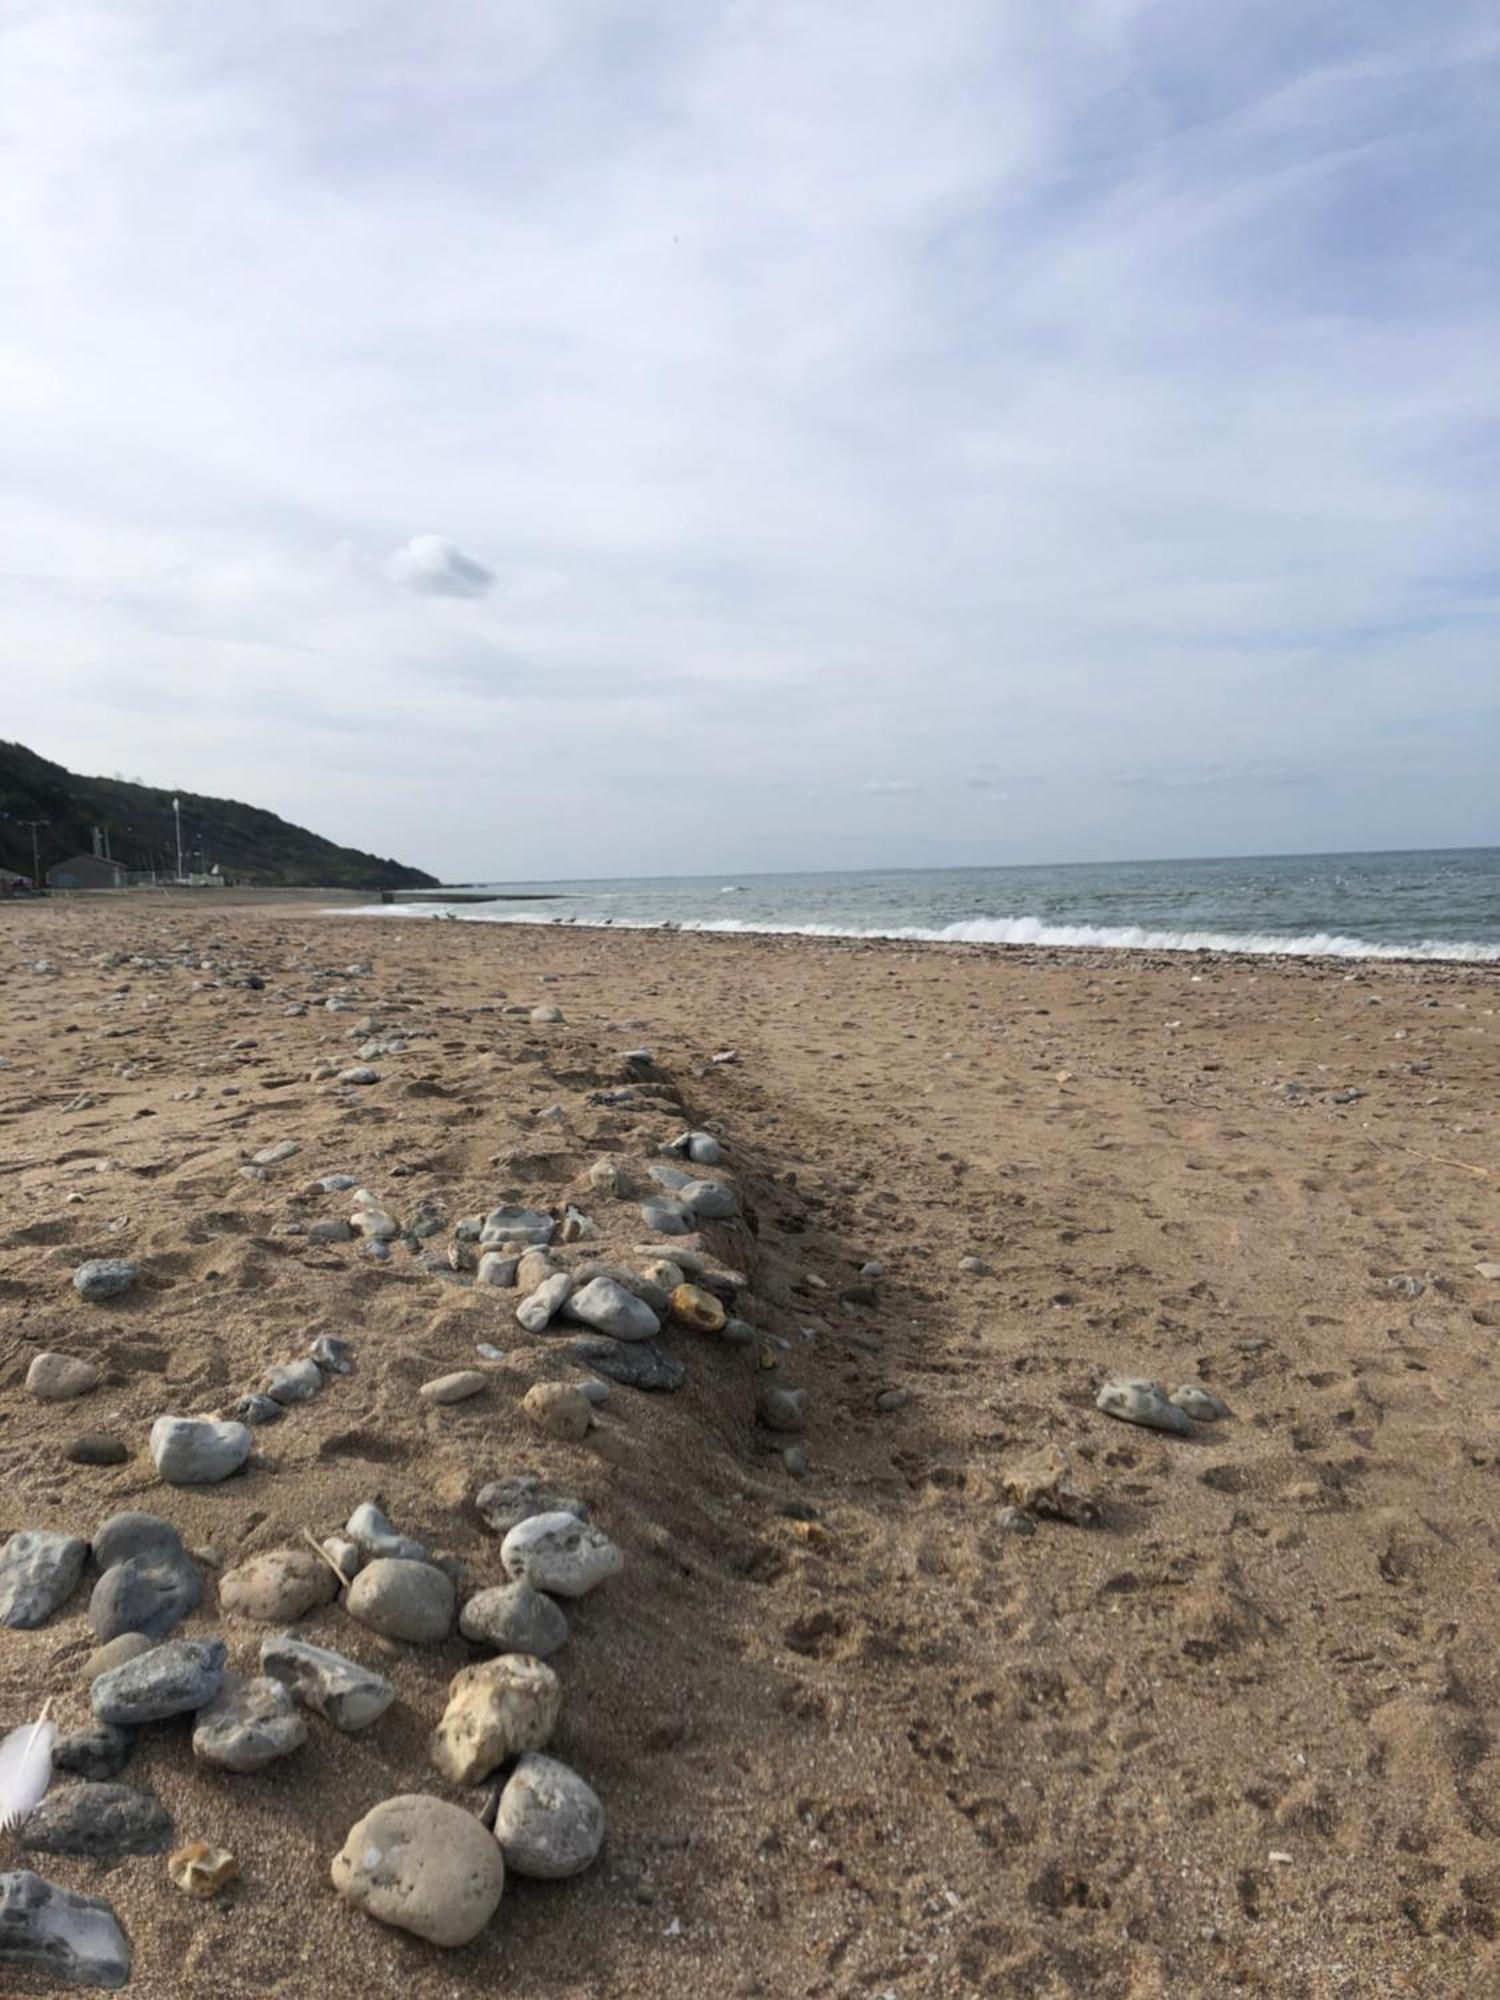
(114, 1653)
(514, 1618)
(537, 1308)
(343, 1692)
(194, 1451)
(975, 1267)
(549, 1823)
(58, 1378)
(70, 1940)
(1015, 1521)
(794, 1458)
(455, 1388)
(517, 1225)
(498, 1268)
(258, 1409)
(496, 1710)
(96, 1754)
(376, 1225)
(609, 1308)
(103, 1278)
(201, 1870)
(560, 1554)
(147, 1593)
(96, 1448)
(248, 1724)
(346, 1556)
(713, 1201)
(1137, 1401)
(694, 1306)
(782, 1409)
(171, 1679)
(423, 1865)
(333, 1356)
(272, 1156)
(375, 1535)
(1044, 1484)
(559, 1409)
(294, 1381)
(667, 1218)
(1488, 1271)
(39, 1570)
(607, 1176)
(504, 1503)
(99, 1821)
(545, 1016)
(277, 1587)
(402, 1599)
(359, 1073)
(892, 1399)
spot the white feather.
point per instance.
(25, 1769)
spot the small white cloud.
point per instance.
(882, 788)
(431, 565)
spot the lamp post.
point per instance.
(177, 815)
(36, 847)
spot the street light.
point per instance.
(177, 815)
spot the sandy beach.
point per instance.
(856, 1730)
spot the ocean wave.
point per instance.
(992, 930)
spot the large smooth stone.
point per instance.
(277, 1587)
(70, 1940)
(560, 1554)
(100, 1821)
(58, 1378)
(248, 1723)
(559, 1409)
(496, 1710)
(132, 1533)
(608, 1308)
(1135, 1400)
(339, 1689)
(536, 1310)
(172, 1679)
(195, 1451)
(667, 1218)
(637, 1364)
(550, 1824)
(517, 1225)
(423, 1865)
(514, 1618)
(39, 1570)
(103, 1278)
(145, 1595)
(294, 1381)
(403, 1600)
(711, 1201)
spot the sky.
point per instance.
(599, 439)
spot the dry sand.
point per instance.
(853, 1737)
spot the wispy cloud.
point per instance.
(1101, 393)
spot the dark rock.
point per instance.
(135, 1534)
(149, 1595)
(171, 1679)
(504, 1503)
(97, 1448)
(101, 1821)
(71, 1940)
(39, 1570)
(95, 1754)
(638, 1364)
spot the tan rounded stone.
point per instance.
(692, 1306)
(496, 1710)
(560, 1409)
(277, 1587)
(58, 1378)
(423, 1865)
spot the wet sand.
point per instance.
(853, 1735)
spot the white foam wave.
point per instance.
(994, 930)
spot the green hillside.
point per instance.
(244, 843)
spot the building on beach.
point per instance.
(86, 871)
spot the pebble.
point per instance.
(257, 1409)
(495, 1267)
(892, 1399)
(504, 1503)
(333, 1356)
(248, 1724)
(202, 1870)
(339, 1689)
(1489, 1271)
(975, 1267)
(402, 1599)
(607, 1176)
(514, 1618)
(606, 1306)
(96, 1448)
(1015, 1521)
(1199, 1403)
(149, 1593)
(101, 1822)
(487, 1351)
(1137, 1401)
(695, 1306)
(549, 1823)
(423, 1865)
(294, 1381)
(517, 1225)
(277, 1587)
(455, 1388)
(359, 1073)
(375, 1224)
(560, 1554)
(346, 1556)
(496, 1711)
(195, 1451)
(96, 1754)
(546, 1015)
(535, 1267)
(667, 1218)
(635, 1364)
(69, 1939)
(375, 1535)
(103, 1278)
(536, 1310)
(58, 1378)
(170, 1679)
(559, 1409)
(39, 1570)
(115, 1652)
(782, 1409)
(714, 1201)
(272, 1156)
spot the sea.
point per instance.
(1423, 905)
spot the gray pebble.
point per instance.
(103, 1278)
